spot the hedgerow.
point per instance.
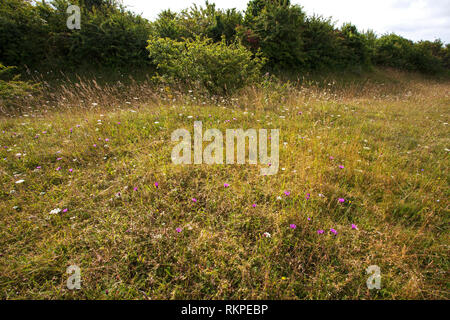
(35, 35)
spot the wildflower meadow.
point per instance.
(362, 181)
(219, 155)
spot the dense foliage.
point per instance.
(35, 35)
(276, 28)
(425, 56)
(219, 67)
(13, 90)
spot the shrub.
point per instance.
(109, 36)
(22, 33)
(36, 35)
(327, 47)
(320, 43)
(276, 26)
(395, 51)
(11, 88)
(221, 68)
(198, 21)
(446, 56)
(434, 55)
(354, 49)
(168, 26)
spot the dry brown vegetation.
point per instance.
(389, 131)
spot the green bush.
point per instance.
(446, 57)
(354, 49)
(275, 27)
(219, 67)
(395, 51)
(433, 56)
(292, 41)
(321, 44)
(36, 35)
(11, 88)
(110, 36)
(198, 21)
(22, 33)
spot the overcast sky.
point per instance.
(413, 19)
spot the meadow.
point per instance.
(87, 180)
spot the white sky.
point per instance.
(413, 19)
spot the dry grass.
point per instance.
(389, 131)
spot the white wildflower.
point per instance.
(55, 211)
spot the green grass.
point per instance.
(393, 145)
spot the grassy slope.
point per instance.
(395, 182)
